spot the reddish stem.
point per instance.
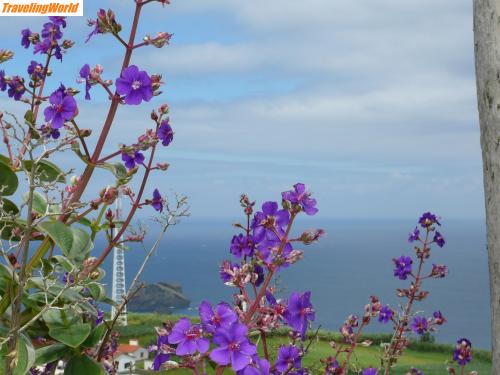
(34, 109)
(403, 323)
(130, 215)
(89, 170)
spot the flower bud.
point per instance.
(109, 215)
(310, 236)
(94, 204)
(85, 132)
(67, 44)
(74, 180)
(162, 166)
(109, 194)
(5, 55)
(163, 109)
(135, 238)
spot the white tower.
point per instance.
(118, 288)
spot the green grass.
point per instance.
(429, 358)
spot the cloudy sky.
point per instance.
(369, 103)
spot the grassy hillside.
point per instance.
(429, 358)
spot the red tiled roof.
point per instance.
(126, 348)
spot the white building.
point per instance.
(127, 355)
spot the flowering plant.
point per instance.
(51, 283)
(267, 247)
(51, 277)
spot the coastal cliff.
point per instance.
(159, 297)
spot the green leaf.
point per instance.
(8, 180)
(83, 365)
(51, 353)
(68, 294)
(64, 262)
(72, 335)
(25, 355)
(118, 170)
(85, 221)
(4, 159)
(82, 244)
(97, 291)
(39, 202)
(60, 318)
(66, 326)
(75, 243)
(28, 117)
(47, 267)
(48, 172)
(95, 336)
(9, 207)
(8, 226)
(60, 234)
(5, 272)
(75, 146)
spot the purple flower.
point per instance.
(414, 236)
(135, 85)
(288, 357)
(270, 298)
(51, 31)
(63, 108)
(332, 366)
(370, 371)
(165, 133)
(35, 69)
(260, 275)
(439, 239)
(300, 196)
(16, 88)
(226, 271)
(25, 40)
(439, 319)
(385, 314)
(420, 325)
(269, 252)
(96, 29)
(403, 267)
(233, 347)
(189, 339)
(259, 366)
(58, 21)
(68, 278)
(269, 219)
(3, 82)
(299, 312)
(415, 371)
(211, 320)
(428, 219)
(43, 46)
(85, 75)
(157, 201)
(100, 317)
(463, 352)
(160, 359)
(439, 271)
(242, 245)
(58, 52)
(133, 158)
(162, 334)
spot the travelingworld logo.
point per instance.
(41, 8)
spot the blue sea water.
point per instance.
(351, 263)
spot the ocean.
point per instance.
(351, 263)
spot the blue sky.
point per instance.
(370, 104)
